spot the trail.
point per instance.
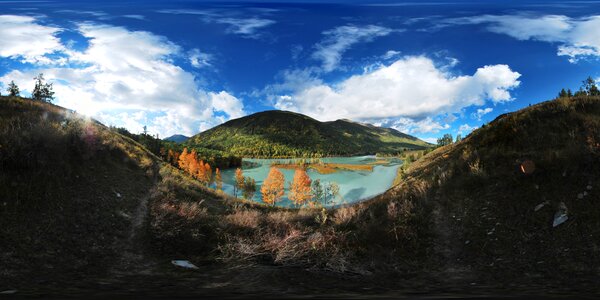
(132, 259)
(448, 247)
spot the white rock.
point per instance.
(184, 264)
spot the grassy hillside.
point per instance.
(461, 219)
(282, 133)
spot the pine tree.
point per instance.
(300, 191)
(562, 94)
(273, 187)
(13, 89)
(42, 91)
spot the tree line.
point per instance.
(42, 91)
(588, 88)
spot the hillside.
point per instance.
(87, 211)
(281, 133)
(177, 138)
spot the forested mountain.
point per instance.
(281, 133)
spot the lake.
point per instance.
(354, 185)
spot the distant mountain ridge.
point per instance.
(177, 138)
(278, 133)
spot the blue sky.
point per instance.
(424, 68)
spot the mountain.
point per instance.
(177, 138)
(282, 133)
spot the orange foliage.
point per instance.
(300, 191)
(272, 189)
(189, 163)
(239, 181)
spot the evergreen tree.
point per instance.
(13, 89)
(458, 138)
(569, 93)
(42, 91)
(562, 94)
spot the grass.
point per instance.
(462, 213)
(324, 168)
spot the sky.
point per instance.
(425, 68)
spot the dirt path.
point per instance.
(132, 259)
(448, 246)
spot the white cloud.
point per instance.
(340, 39)
(481, 112)
(411, 87)
(410, 126)
(22, 38)
(137, 17)
(578, 37)
(246, 27)
(228, 104)
(391, 54)
(465, 128)
(127, 72)
(199, 59)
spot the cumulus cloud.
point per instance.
(340, 39)
(22, 38)
(411, 87)
(481, 112)
(123, 73)
(578, 37)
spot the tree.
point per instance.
(218, 179)
(183, 160)
(239, 181)
(589, 87)
(562, 94)
(458, 138)
(569, 93)
(13, 89)
(445, 140)
(318, 192)
(42, 91)
(332, 190)
(300, 191)
(249, 188)
(272, 189)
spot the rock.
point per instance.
(561, 215)
(118, 195)
(540, 206)
(580, 196)
(467, 242)
(184, 264)
(589, 187)
(8, 292)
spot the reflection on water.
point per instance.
(354, 185)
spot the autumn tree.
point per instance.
(300, 189)
(13, 89)
(183, 162)
(218, 179)
(273, 187)
(239, 181)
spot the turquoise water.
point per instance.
(354, 185)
